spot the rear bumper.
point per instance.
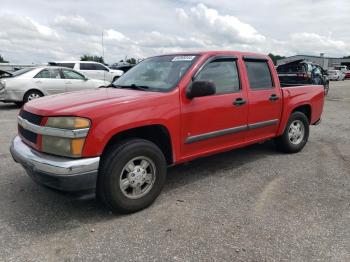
(57, 172)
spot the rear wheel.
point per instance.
(131, 176)
(31, 95)
(295, 135)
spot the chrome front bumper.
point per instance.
(57, 172)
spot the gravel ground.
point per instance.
(252, 204)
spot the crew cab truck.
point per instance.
(167, 110)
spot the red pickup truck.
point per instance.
(167, 110)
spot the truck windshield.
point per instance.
(161, 73)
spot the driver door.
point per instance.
(219, 121)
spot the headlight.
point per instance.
(68, 122)
(70, 147)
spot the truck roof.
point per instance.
(218, 52)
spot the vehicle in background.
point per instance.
(301, 72)
(336, 75)
(347, 74)
(342, 68)
(31, 83)
(4, 74)
(122, 66)
(167, 110)
(91, 69)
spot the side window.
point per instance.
(69, 74)
(259, 75)
(49, 73)
(69, 65)
(100, 67)
(224, 74)
(87, 66)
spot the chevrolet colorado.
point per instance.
(167, 110)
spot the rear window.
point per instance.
(259, 75)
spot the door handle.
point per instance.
(273, 97)
(38, 82)
(69, 82)
(239, 102)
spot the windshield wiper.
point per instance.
(133, 86)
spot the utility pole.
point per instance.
(103, 49)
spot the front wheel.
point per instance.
(295, 135)
(31, 95)
(131, 176)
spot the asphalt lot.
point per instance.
(252, 204)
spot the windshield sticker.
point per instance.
(183, 58)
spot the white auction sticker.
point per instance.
(183, 58)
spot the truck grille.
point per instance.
(35, 119)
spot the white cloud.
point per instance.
(75, 24)
(222, 28)
(40, 32)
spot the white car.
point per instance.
(30, 83)
(91, 69)
(336, 75)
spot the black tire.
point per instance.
(30, 94)
(111, 169)
(284, 143)
(19, 104)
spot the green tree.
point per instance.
(275, 58)
(346, 56)
(131, 60)
(2, 60)
(92, 58)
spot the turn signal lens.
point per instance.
(77, 146)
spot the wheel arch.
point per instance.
(32, 89)
(157, 133)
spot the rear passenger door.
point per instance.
(265, 99)
(50, 81)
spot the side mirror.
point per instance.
(86, 79)
(201, 88)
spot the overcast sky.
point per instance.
(43, 30)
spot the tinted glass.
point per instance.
(69, 65)
(223, 74)
(69, 74)
(49, 73)
(259, 75)
(160, 73)
(92, 66)
(87, 66)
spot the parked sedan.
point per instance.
(31, 83)
(336, 75)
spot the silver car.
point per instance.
(31, 83)
(336, 75)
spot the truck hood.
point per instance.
(82, 102)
